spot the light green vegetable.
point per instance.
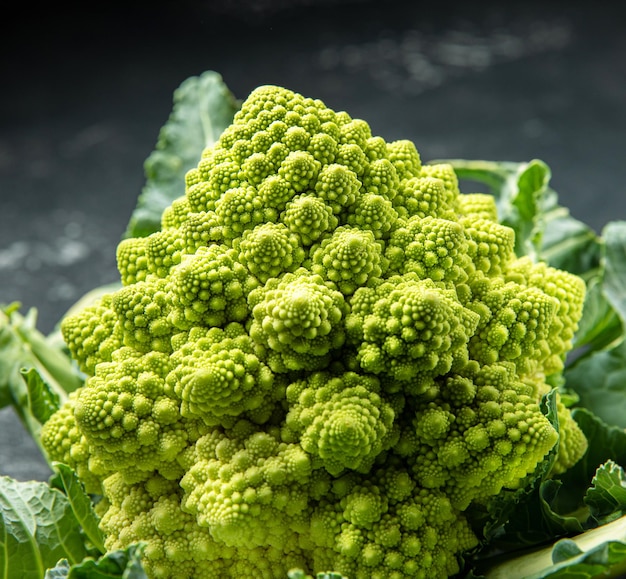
(326, 358)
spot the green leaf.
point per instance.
(122, 564)
(22, 346)
(565, 549)
(600, 381)
(51, 360)
(11, 353)
(43, 401)
(81, 504)
(605, 442)
(604, 315)
(36, 375)
(600, 327)
(614, 236)
(607, 495)
(568, 243)
(60, 571)
(203, 108)
(37, 528)
(526, 219)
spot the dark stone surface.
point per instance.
(83, 98)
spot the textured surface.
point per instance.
(82, 103)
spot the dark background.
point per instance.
(83, 96)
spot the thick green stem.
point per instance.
(537, 563)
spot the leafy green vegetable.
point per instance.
(37, 528)
(203, 108)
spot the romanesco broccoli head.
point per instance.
(326, 355)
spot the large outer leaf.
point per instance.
(203, 108)
(37, 528)
(600, 382)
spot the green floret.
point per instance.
(240, 209)
(405, 158)
(423, 197)
(431, 248)
(569, 292)
(572, 441)
(409, 329)
(488, 438)
(309, 217)
(164, 250)
(151, 512)
(222, 177)
(64, 442)
(176, 213)
(490, 245)
(354, 131)
(340, 419)
(219, 376)
(296, 318)
(275, 192)
(256, 168)
(375, 531)
(209, 288)
(478, 205)
(338, 187)
(514, 325)
(142, 311)
(130, 422)
(132, 262)
(373, 213)
(381, 178)
(323, 148)
(299, 170)
(350, 258)
(353, 157)
(248, 487)
(446, 173)
(93, 334)
(269, 250)
(200, 230)
(201, 197)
